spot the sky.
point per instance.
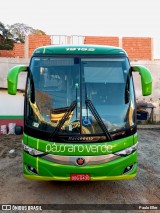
(87, 17)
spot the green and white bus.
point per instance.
(79, 113)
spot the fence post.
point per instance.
(120, 42)
(26, 48)
(152, 49)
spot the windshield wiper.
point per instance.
(90, 105)
(64, 118)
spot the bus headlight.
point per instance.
(127, 151)
(32, 151)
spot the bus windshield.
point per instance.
(80, 95)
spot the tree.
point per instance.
(19, 31)
(6, 40)
(15, 33)
(38, 32)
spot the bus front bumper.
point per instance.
(46, 170)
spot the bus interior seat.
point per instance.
(58, 113)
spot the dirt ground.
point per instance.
(144, 189)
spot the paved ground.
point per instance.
(145, 188)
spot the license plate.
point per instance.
(80, 177)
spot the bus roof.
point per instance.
(79, 50)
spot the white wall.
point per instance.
(5, 65)
(11, 104)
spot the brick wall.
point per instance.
(102, 40)
(35, 41)
(19, 50)
(138, 48)
(7, 53)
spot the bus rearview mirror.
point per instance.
(12, 78)
(146, 79)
